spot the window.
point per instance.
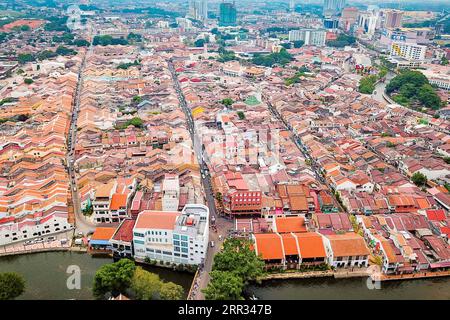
(176, 242)
(185, 250)
(138, 241)
(184, 238)
(136, 234)
(175, 236)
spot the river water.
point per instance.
(352, 288)
(46, 274)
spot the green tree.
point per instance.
(224, 286)
(46, 54)
(25, 57)
(227, 102)
(137, 99)
(145, 285)
(28, 81)
(367, 84)
(12, 285)
(64, 51)
(199, 42)
(341, 41)
(298, 43)
(81, 43)
(114, 278)
(419, 179)
(137, 122)
(268, 60)
(408, 90)
(241, 115)
(237, 257)
(171, 291)
(428, 97)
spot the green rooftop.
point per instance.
(252, 101)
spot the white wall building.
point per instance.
(408, 51)
(313, 37)
(368, 21)
(28, 227)
(175, 237)
(171, 193)
(346, 250)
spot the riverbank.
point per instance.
(358, 273)
(359, 288)
(47, 274)
(316, 274)
(418, 275)
(44, 249)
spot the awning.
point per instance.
(99, 242)
(445, 264)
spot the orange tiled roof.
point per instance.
(118, 201)
(290, 224)
(311, 245)
(103, 233)
(268, 245)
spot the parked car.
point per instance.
(63, 241)
(49, 239)
(212, 244)
(38, 240)
(29, 242)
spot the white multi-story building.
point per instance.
(198, 9)
(171, 193)
(174, 237)
(28, 226)
(333, 7)
(184, 23)
(368, 21)
(313, 37)
(408, 51)
(440, 79)
(111, 200)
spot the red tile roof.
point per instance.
(436, 215)
(125, 231)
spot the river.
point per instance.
(46, 274)
(352, 288)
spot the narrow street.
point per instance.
(314, 166)
(81, 223)
(222, 224)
